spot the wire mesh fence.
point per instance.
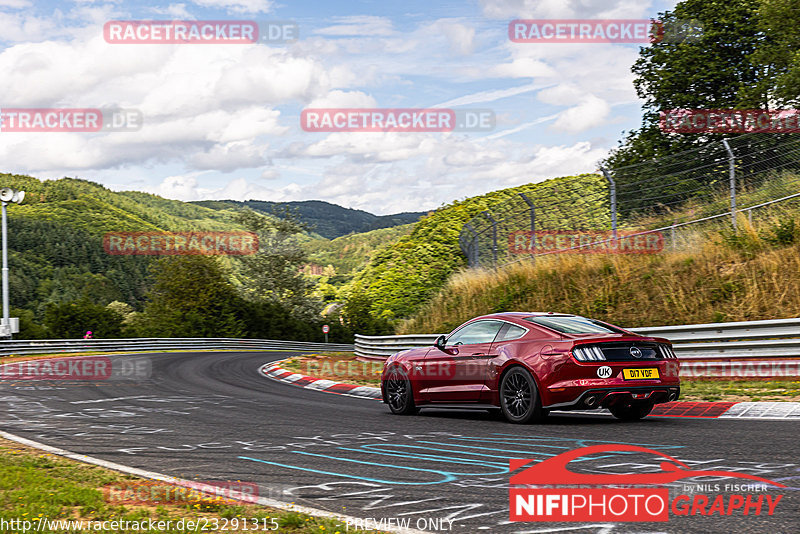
(642, 208)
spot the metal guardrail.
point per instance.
(777, 340)
(46, 346)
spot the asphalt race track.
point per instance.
(211, 416)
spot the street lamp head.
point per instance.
(9, 195)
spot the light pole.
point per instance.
(7, 195)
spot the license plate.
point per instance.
(648, 373)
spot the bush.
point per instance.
(782, 233)
(72, 319)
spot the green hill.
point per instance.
(55, 238)
(351, 253)
(404, 275)
(326, 219)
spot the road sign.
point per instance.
(325, 329)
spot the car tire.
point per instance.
(399, 396)
(631, 411)
(519, 397)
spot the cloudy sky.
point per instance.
(223, 120)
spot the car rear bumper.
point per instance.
(605, 397)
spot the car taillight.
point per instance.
(667, 352)
(588, 354)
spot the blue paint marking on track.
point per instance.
(434, 458)
(379, 481)
(453, 453)
(578, 442)
(484, 455)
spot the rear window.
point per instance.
(573, 324)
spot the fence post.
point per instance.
(613, 195)
(672, 235)
(472, 248)
(494, 235)
(529, 202)
(732, 165)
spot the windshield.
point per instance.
(573, 324)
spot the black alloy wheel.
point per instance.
(519, 398)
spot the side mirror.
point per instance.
(440, 343)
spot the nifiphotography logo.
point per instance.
(627, 497)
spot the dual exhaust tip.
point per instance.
(592, 401)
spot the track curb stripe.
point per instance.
(276, 372)
(784, 411)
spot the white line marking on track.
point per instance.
(94, 401)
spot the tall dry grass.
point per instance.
(721, 277)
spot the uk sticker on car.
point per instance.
(648, 373)
(604, 372)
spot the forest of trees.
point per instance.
(62, 282)
(745, 57)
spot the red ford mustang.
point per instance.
(526, 364)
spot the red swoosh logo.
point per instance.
(554, 470)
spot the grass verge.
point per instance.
(39, 487)
(740, 390)
(337, 366)
(718, 276)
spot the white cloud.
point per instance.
(270, 174)
(523, 126)
(227, 115)
(524, 67)
(589, 113)
(15, 4)
(228, 157)
(460, 36)
(177, 11)
(588, 9)
(358, 26)
(343, 99)
(238, 6)
(489, 96)
(178, 188)
(369, 146)
(563, 94)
